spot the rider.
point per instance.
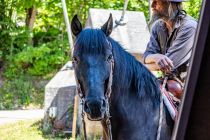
(172, 36)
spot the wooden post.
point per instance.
(74, 124)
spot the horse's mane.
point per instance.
(91, 41)
(128, 72)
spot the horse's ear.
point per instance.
(76, 26)
(107, 27)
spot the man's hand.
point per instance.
(163, 62)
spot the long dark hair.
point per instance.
(130, 73)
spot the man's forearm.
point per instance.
(159, 61)
(150, 58)
(150, 62)
(152, 67)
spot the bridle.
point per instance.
(107, 100)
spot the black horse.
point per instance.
(135, 97)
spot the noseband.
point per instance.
(107, 100)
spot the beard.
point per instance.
(164, 14)
(161, 13)
(156, 16)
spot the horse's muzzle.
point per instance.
(95, 109)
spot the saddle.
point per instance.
(172, 94)
(174, 86)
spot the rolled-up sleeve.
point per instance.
(153, 46)
(181, 48)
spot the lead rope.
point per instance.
(107, 120)
(83, 119)
(79, 91)
(108, 94)
(161, 108)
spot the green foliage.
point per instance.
(23, 90)
(83, 6)
(27, 64)
(38, 61)
(193, 8)
(13, 34)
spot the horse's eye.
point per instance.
(109, 58)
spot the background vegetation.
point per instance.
(34, 45)
(28, 130)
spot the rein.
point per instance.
(161, 109)
(107, 97)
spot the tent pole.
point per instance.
(65, 13)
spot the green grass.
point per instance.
(30, 130)
(25, 130)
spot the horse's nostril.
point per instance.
(92, 106)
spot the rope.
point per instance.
(108, 123)
(83, 119)
(161, 109)
(107, 120)
(108, 94)
(109, 87)
(79, 91)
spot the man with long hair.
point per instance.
(172, 37)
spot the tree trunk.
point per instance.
(30, 18)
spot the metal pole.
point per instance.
(122, 21)
(65, 13)
(150, 10)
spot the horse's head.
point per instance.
(92, 60)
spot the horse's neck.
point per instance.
(132, 81)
